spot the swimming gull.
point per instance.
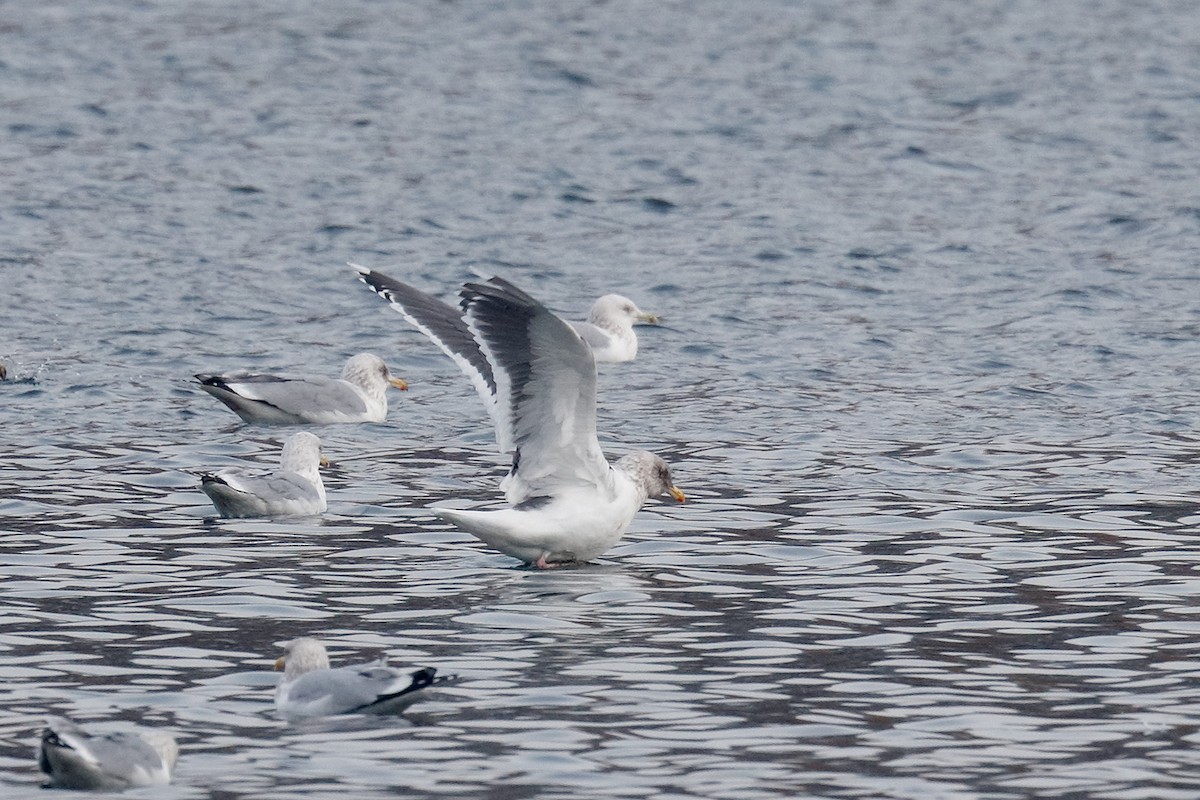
(293, 490)
(74, 759)
(309, 688)
(609, 328)
(360, 395)
(537, 379)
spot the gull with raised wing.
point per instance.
(295, 489)
(75, 759)
(360, 395)
(537, 378)
(309, 687)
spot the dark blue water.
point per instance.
(930, 280)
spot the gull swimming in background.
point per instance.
(360, 395)
(293, 490)
(74, 759)
(537, 378)
(309, 687)
(609, 328)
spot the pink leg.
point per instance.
(542, 563)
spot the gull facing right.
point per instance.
(609, 328)
(537, 378)
(360, 395)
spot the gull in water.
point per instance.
(309, 688)
(360, 395)
(609, 328)
(291, 491)
(537, 378)
(74, 759)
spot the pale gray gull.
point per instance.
(75, 759)
(309, 688)
(609, 328)
(360, 395)
(537, 378)
(295, 489)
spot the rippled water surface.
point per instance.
(928, 376)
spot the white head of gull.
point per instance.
(537, 378)
(359, 395)
(609, 328)
(295, 489)
(309, 687)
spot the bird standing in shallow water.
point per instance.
(537, 378)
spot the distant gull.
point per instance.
(74, 759)
(293, 490)
(537, 378)
(360, 395)
(309, 688)
(609, 328)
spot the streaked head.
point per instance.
(302, 451)
(613, 307)
(651, 473)
(301, 656)
(367, 370)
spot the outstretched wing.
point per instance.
(545, 396)
(445, 327)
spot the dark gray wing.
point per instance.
(545, 390)
(445, 327)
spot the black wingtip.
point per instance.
(427, 676)
(423, 678)
(376, 281)
(209, 477)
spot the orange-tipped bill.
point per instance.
(399, 383)
(677, 493)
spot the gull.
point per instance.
(309, 688)
(74, 759)
(293, 490)
(537, 378)
(609, 328)
(360, 395)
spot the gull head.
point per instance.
(368, 372)
(651, 473)
(614, 308)
(301, 656)
(302, 453)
